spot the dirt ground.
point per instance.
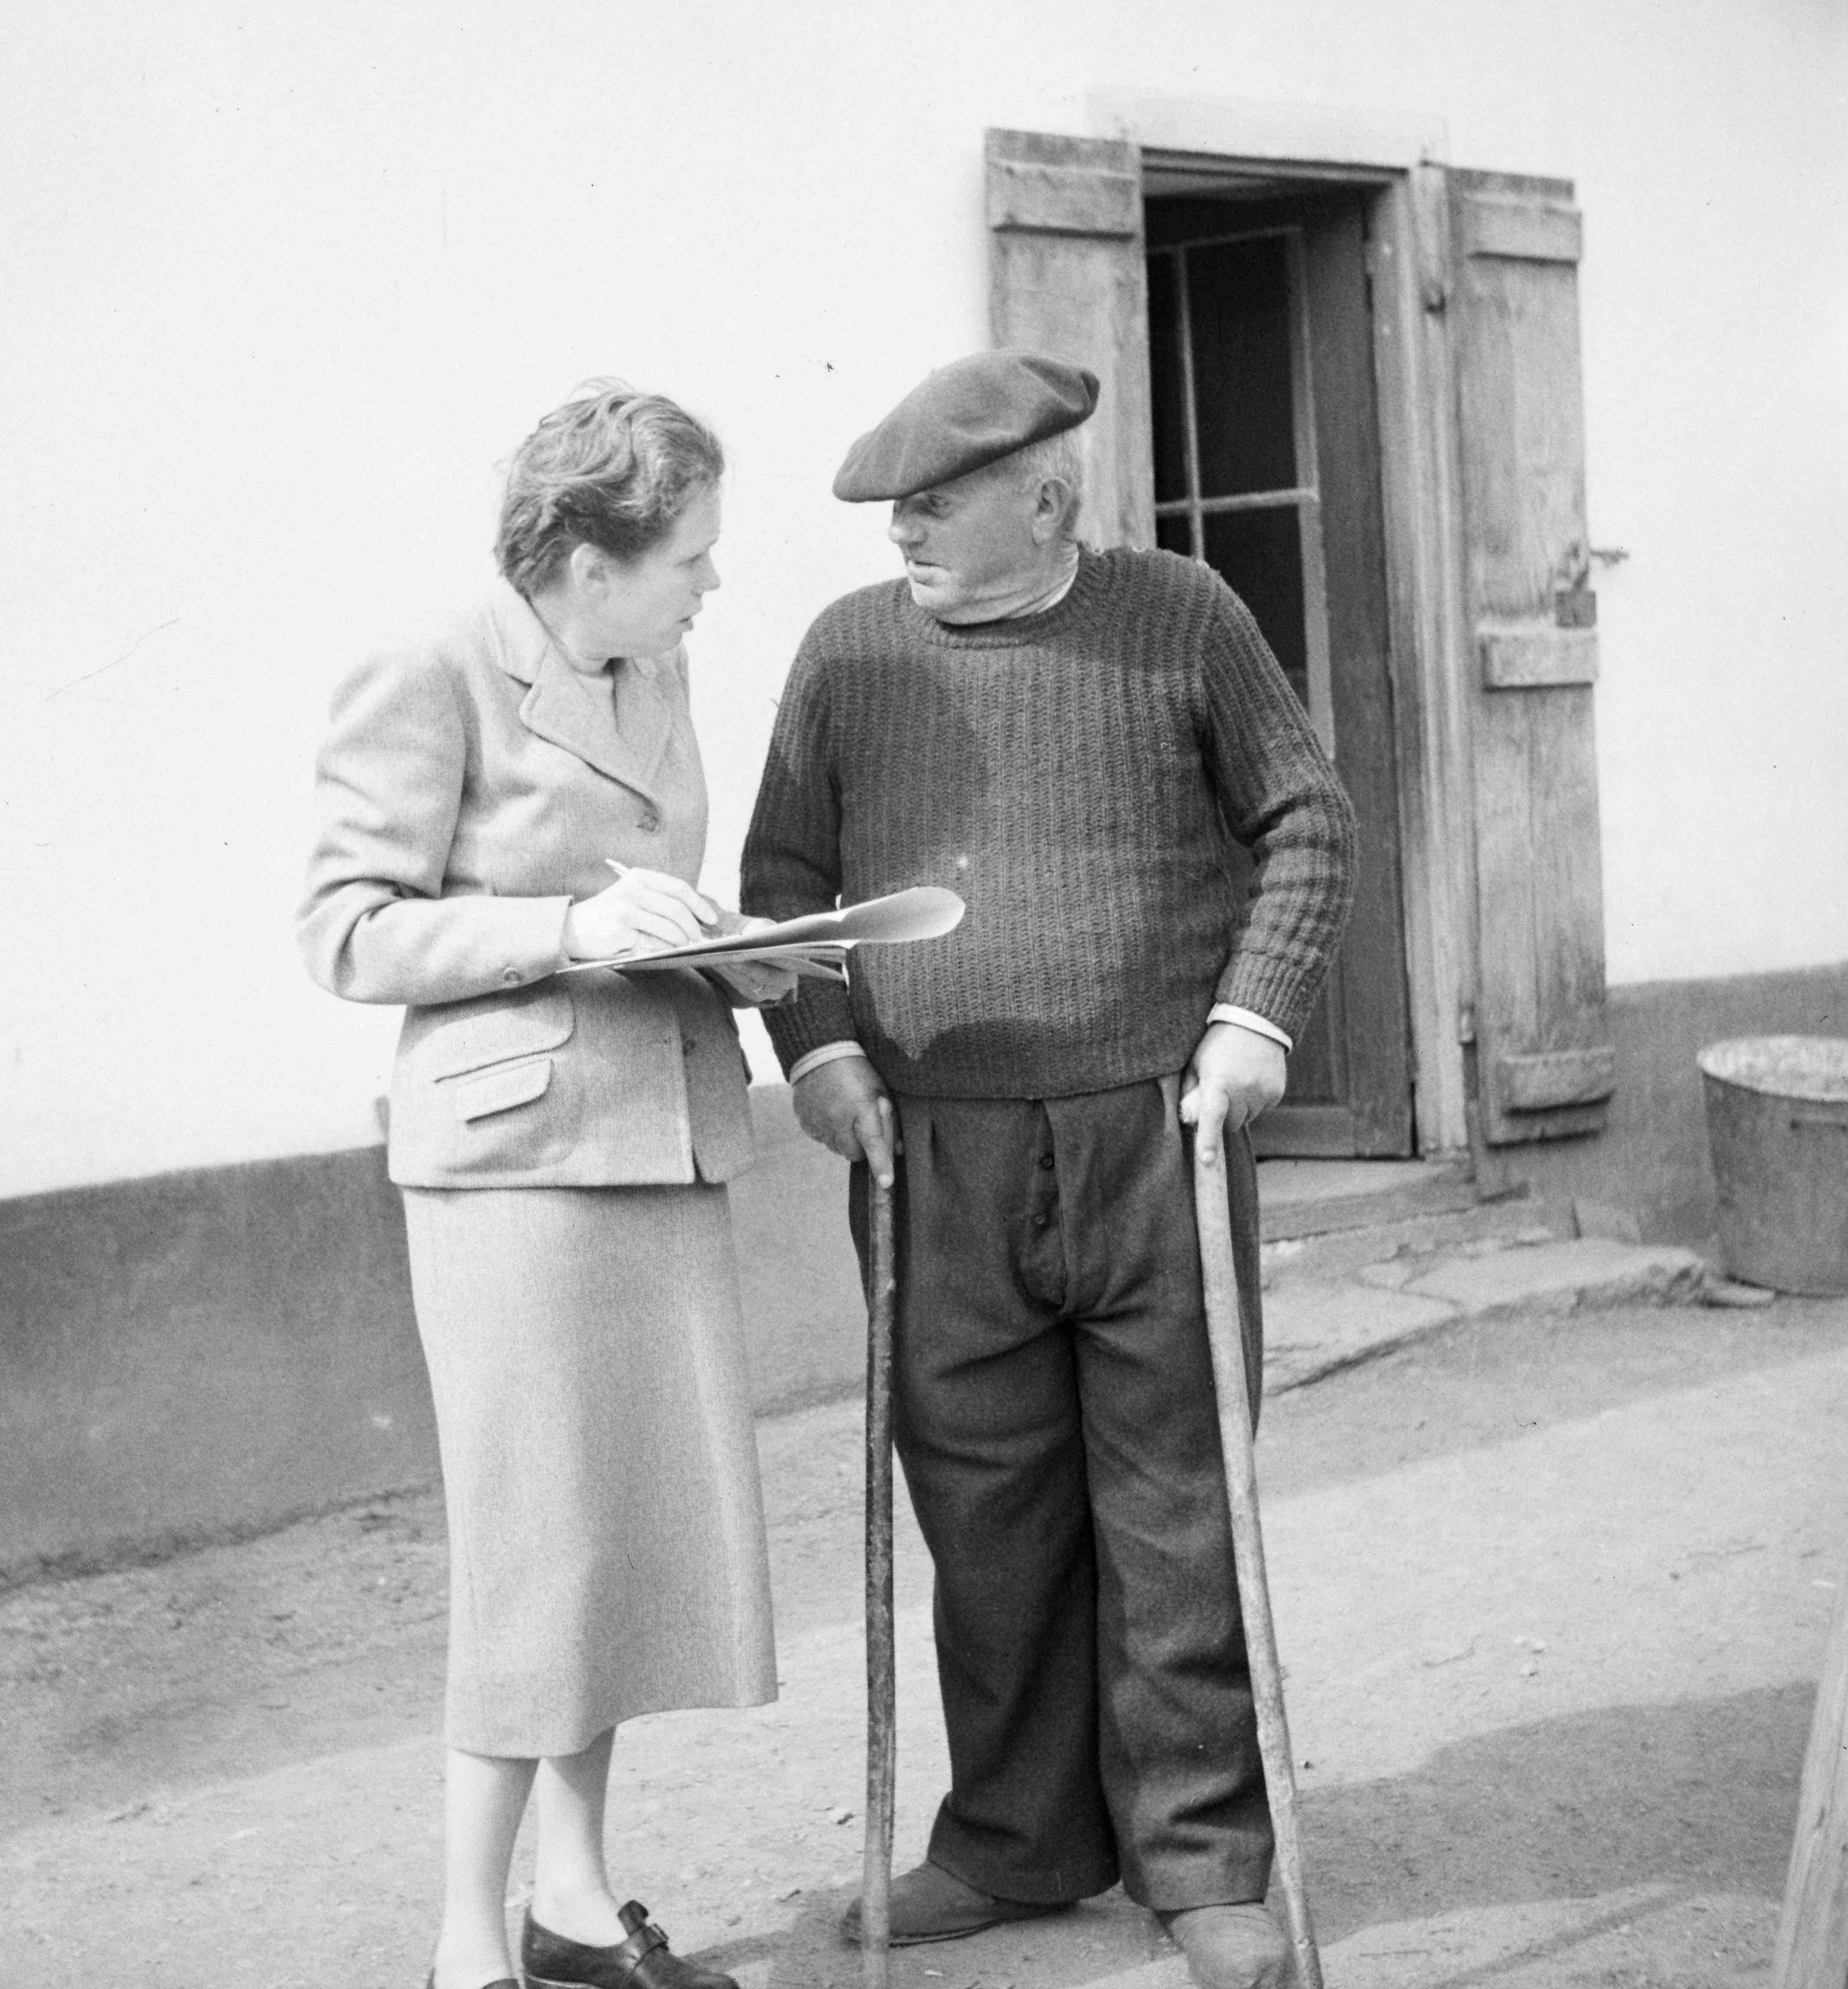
(1553, 1595)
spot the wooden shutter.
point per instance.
(1543, 1055)
(1066, 276)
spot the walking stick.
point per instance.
(1229, 1274)
(881, 1710)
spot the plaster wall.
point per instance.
(287, 284)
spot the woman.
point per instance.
(521, 791)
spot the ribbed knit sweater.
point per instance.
(1074, 775)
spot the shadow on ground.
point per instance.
(1598, 1803)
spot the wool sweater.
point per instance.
(1077, 776)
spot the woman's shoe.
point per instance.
(551, 1961)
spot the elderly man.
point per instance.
(1068, 739)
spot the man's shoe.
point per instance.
(928, 1903)
(548, 1960)
(1231, 1947)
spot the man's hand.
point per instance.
(1233, 1075)
(843, 1104)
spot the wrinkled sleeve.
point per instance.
(375, 925)
(1283, 801)
(792, 855)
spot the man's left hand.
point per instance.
(1234, 1074)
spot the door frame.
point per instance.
(1430, 656)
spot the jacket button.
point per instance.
(649, 824)
(511, 977)
(686, 1047)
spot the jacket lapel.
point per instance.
(623, 734)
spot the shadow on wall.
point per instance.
(204, 1355)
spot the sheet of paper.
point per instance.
(926, 911)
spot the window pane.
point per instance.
(1238, 296)
(1172, 534)
(1259, 556)
(1165, 379)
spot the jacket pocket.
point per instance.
(498, 1029)
(499, 1090)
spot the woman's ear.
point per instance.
(589, 566)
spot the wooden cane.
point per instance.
(1229, 1273)
(881, 1708)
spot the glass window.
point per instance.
(1165, 382)
(1172, 534)
(1259, 556)
(1238, 308)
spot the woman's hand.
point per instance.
(760, 983)
(644, 911)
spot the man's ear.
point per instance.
(1050, 504)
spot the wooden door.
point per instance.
(1545, 1063)
(1266, 445)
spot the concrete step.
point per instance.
(1319, 1197)
(1484, 1225)
(1317, 1327)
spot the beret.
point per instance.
(971, 412)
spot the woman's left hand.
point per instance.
(760, 983)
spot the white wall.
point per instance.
(283, 286)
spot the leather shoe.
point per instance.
(1230, 1948)
(928, 1903)
(550, 1961)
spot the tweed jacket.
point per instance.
(470, 789)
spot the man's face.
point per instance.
(969, 545)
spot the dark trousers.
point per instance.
(1054, 1413)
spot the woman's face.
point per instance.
(642, 607)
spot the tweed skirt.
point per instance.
(600, 1469)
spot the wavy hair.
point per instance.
(612, 468)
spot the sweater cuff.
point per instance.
(821, 1014)
(1249, 1018)
(1281, 990)
(827, 1053)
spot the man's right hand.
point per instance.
(843, 1104)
